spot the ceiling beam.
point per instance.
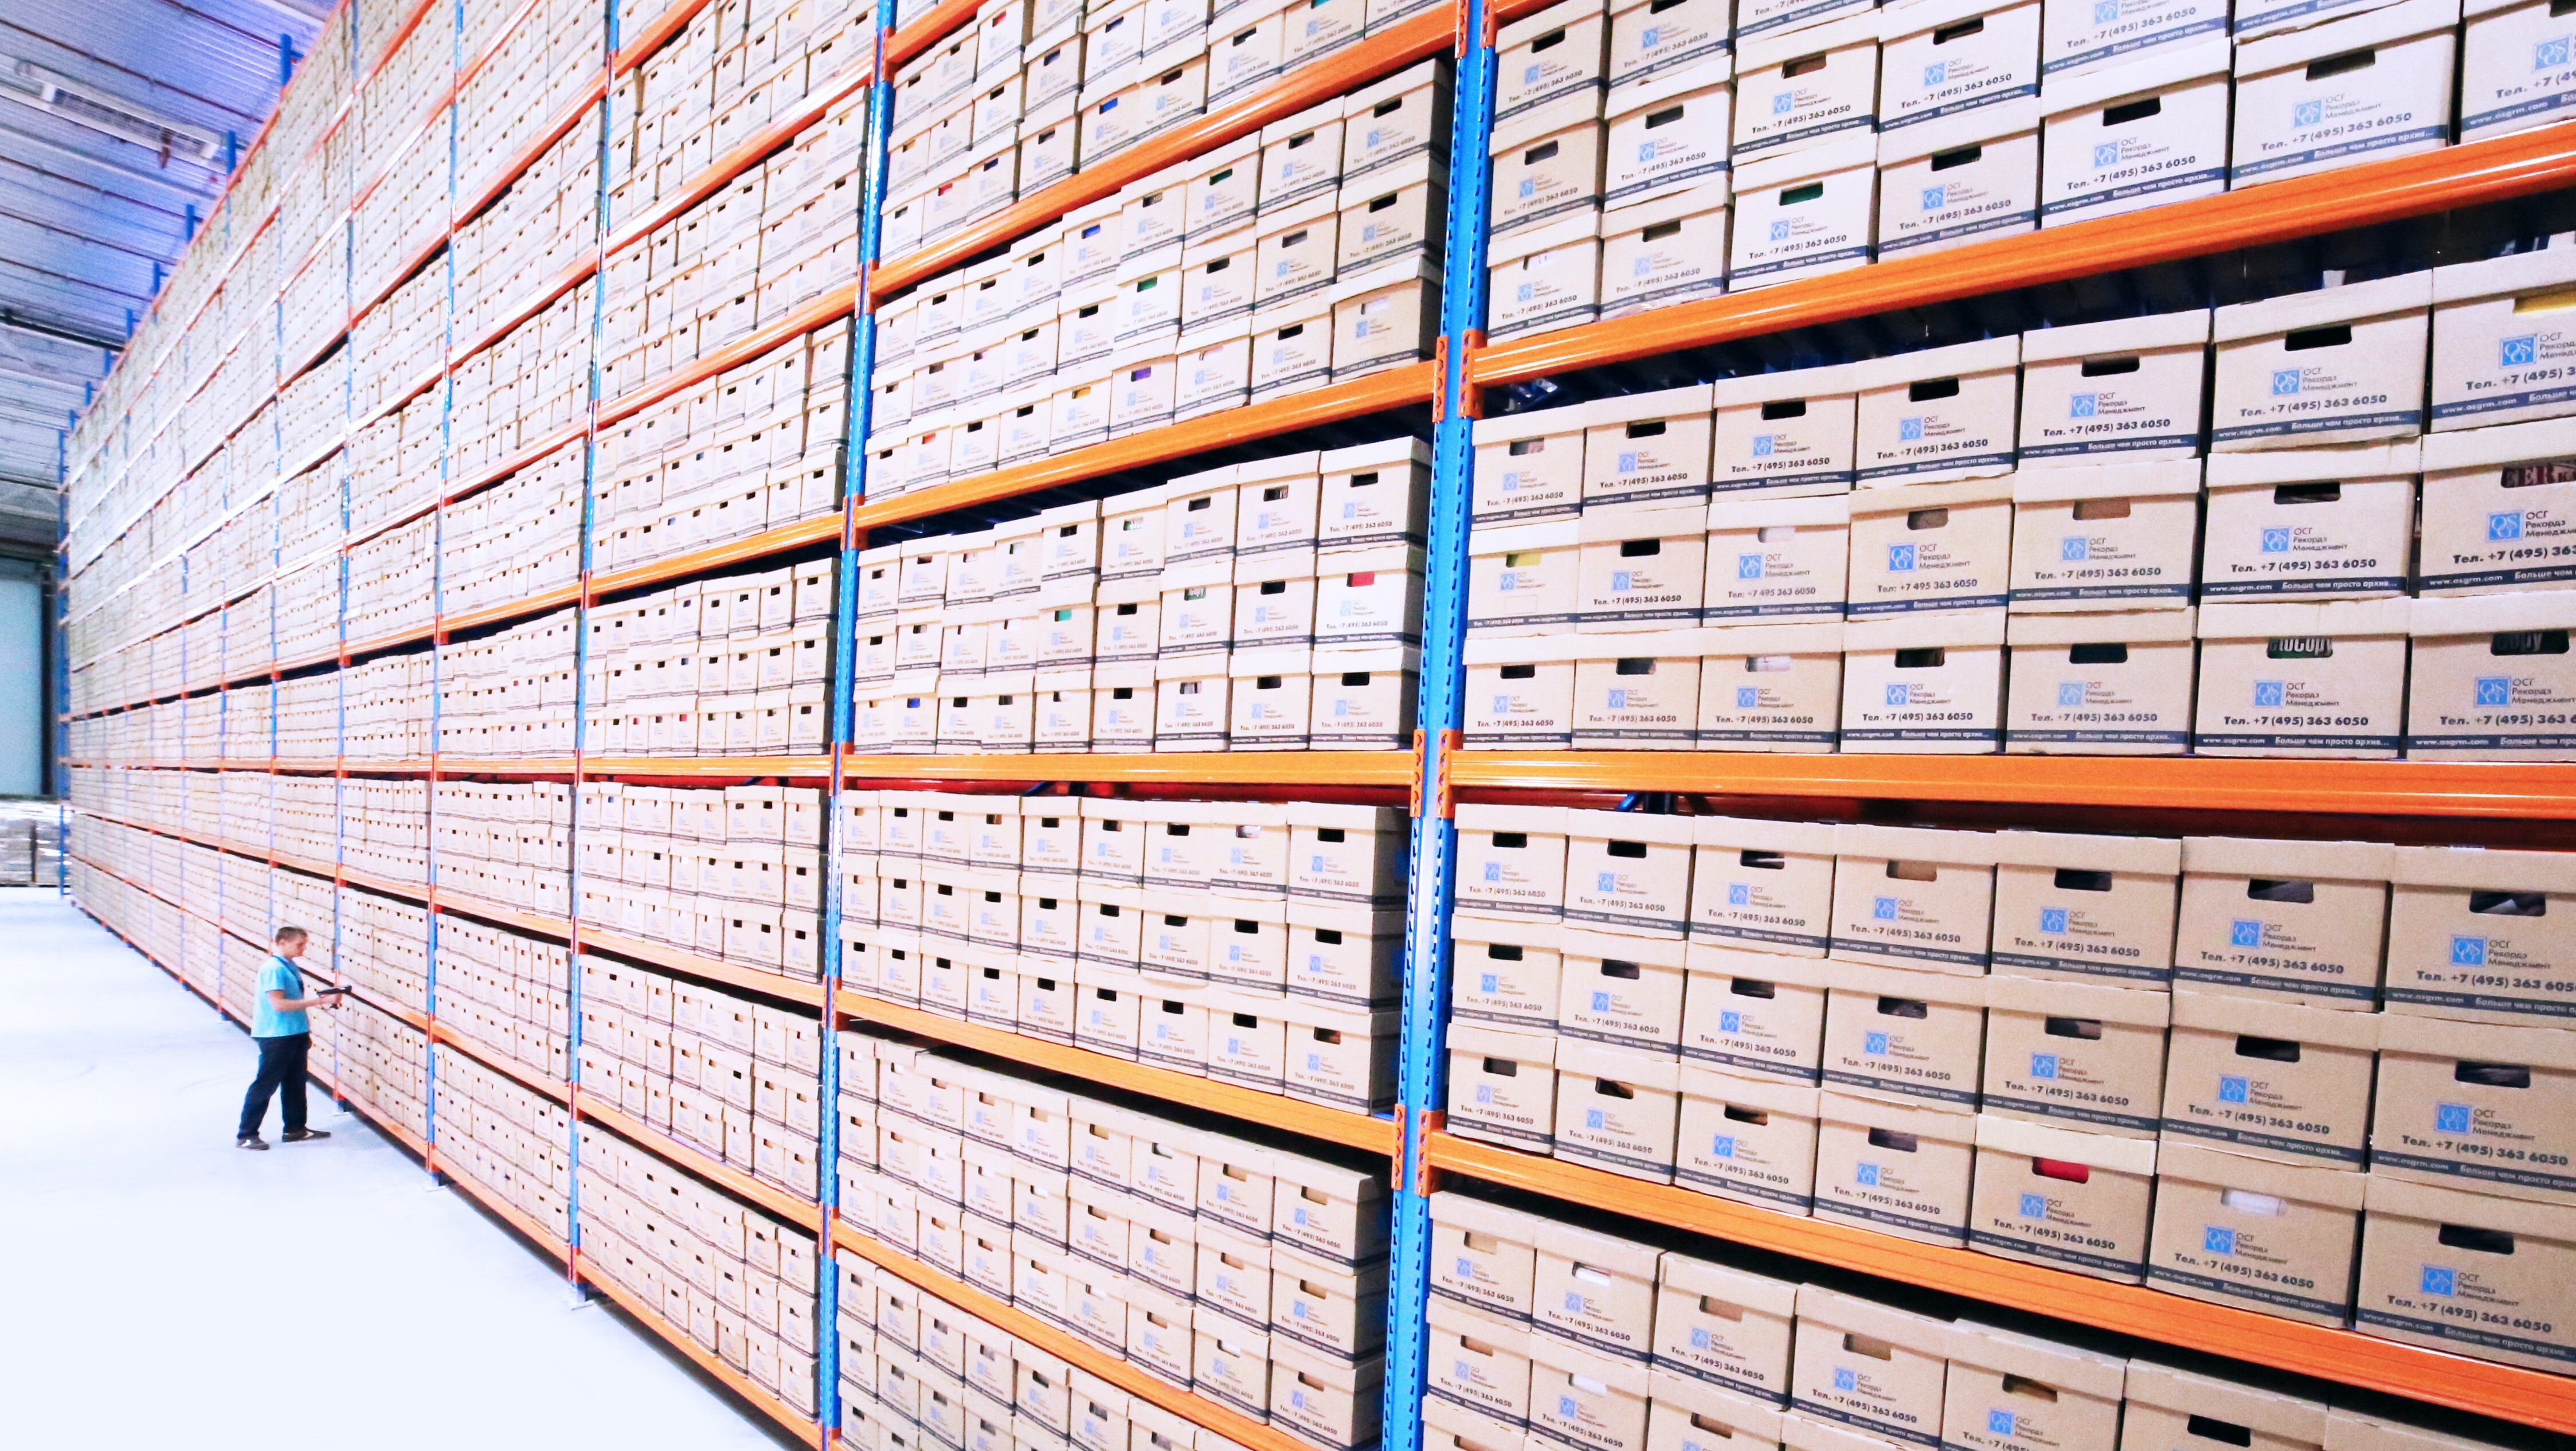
(188, 185)
(85, 239)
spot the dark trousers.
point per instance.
(281, 1071)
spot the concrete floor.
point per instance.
(156, 1278)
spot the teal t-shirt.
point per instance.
(267, 1022)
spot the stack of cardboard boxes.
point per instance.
(381, 946)
(507, 1138)
(515, 540)
(733, 874)
(527, 386)
(1992, 545)
(1305, 255)
(377, 1060)
(1547, 1333)
(1258, 944)
(546, 221)
(1255, 1277)
(731, 666)
(738, 1078)
(2037, 1044)
(1274, 605)
(509, 696)
(1842, 133)
(507, 842)
(722, 78)
(527, 78)
(758, 447)
(730, 1277)
(507, 994)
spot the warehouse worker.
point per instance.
(278, 1025)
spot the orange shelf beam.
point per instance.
(525, 307)
(2534, 791)
(797, 1423)
(1211, 768)
(777, 985)
(1340, 73)
(510, 170)
(833, 305)
(799, 535)
(510, 609)
(657, 32)
(2356, 196)
(794, 1209)
(1064, 1345)
(941, 21)
(2531, 1397)
(514, 918)
(1394, 388)
(1340, 1126)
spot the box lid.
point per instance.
(1402, 272)
(2059, 1366)
(2048, 1141)
(1714, 72)
(1513, 538)
(2548, 1047)
(1721, 960)
(1763, 52)
(2163, 66)
(2505, 443)
(1920, 629)
(1638, 407)
(1537, 423)
(1615, 1064)
(1977, 126)
(2338, 618)
(1906, 498)
(2352, 302)
(2119, 335)
(2238, 856)
(2302, 465)
(1579, 108)
(1329, 113)
(2153, 855)
(1959, 359)
(1912, 17)
(1555, 17)
(1785, 385)
(2481, 869)
(1744, 1090)
(2383, 26)
(1949, 989)
(2137, 627)
(1526, 242)
(2181, 1160)
(2189, 1393)
(1851, 150)
(1745, 833)
(2229, 1013)
(2485, 614)
(2167, 478)
(2132, 1006)
(2407, 1200)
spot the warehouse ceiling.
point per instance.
(119, 120)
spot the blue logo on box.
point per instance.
(1493, 871)
(1999, 1423)
(1783, 103)
(1524, 292)
(1722, 1147)
(2070, 692)
(2468, 952)
(1932, 196)
(2105, 11)
(2034, 1206)
(1699, 1337)
(1900, 559)
(1600, 1002)
(1565, 1407)
(2276, 541)
(1883, 909)
(1739, 894)
(1484, 1094)
(2519, 352)
(1529, 187)
(2231, 1088)
(1530, 75)
(1844, 1380)
(2268, 694)
(2549, 53)
(1592, 1118)
(1490, 982)
(1628, 463)
(1645, 151)
(2052, 919)
(2495, 690)
(1605, 882)
(1730, 1021)
(2217, 1239)
(1622, 581)
(2450, 1118)
(1936, 73)
(2106, 154)
(2308, 113)
(2074, 549)
(1898, 694)
(2081, 405)
(1651, 36)
(1874, 1043)
(1502, 705)
(1748, 566)
(2440, 1280)
(2043, 1065)
(1909, 428)
(1865, 1174)
(2245, 932)
(1762, 444)
(2285, 381)
(1618, 698)
(2505, 526)
(1747, 697)
(1779, 231)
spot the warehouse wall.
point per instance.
(22, 680)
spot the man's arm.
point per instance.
(280, 1002)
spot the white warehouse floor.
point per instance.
(158, 1279)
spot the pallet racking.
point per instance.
(1448, 392)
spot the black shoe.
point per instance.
(251, 1141)
(297, 1136)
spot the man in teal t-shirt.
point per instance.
(279, 1027)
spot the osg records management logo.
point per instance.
(1900, 558)
(2519, 352)
(2495, 690)
(2074, 549)
(2504, 528)
(2070, 693)
(2052, 920)
(1762, 444)
(1932, 196)
(2106, 154)
(2468, 952)
(2549, 54)
(2082, 405)
(2268, 694)
(1909, 429)
(2308, 113)
(2245, 932)
(2276, 541)
(2285, 381)
(1937, 73)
